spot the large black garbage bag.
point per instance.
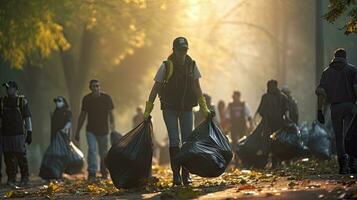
(320, 142)
(287, 143)
(75, 160)
(115, 137)
(351, 138)
(207, 151)
(254, 150)
(55, 158)
(129, 161)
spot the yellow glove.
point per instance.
(203, 106)
(148, 108)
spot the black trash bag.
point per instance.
(305, 133)
(287, 143)
(320, 142)
(254, 150)
(351, 138)
(55, 158)
(75, 160)
(207, 151)
(115, 137)
(129, 161)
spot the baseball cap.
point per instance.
(11, 84)
(180, 42)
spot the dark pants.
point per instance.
(173, 119)
(341, 116)
(14, 159)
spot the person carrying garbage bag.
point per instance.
(338, 87)
(177, 84)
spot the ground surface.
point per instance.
(301, 180)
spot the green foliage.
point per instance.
(33, 29)
(341, 8)
(28, 29)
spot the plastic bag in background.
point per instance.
(55, 158)
(207, 151)
(254, 150)
(320, 143)
(115, 137)
(75, 160)
(304, 132)
(287, 143)
(129, 161)
(351, 138)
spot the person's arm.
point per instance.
(150, 102)
(81, 119)
(111, 120)
(68, 124)
(248, 114)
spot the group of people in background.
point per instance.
(178, 87)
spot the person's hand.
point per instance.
(203, 107)
(320, 117)
(148, 109)
(29, 137)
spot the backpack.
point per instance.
(20, 104)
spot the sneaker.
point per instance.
(11, 183)
(344, 164)
(92, 178)
(24, 181)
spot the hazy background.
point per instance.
(238, 45)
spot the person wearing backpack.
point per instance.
(16, 132)
(177, 84)
(338, 87)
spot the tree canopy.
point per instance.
(343, 8)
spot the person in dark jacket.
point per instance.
(61, 119)
(177, 84)
(338, 87)
(273, 108)
(293, 106)
(16, 128)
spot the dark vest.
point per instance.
(178, 93)
(238, 118)
(11, 109)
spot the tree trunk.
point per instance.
(319, 40)
(76, 74)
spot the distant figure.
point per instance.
(61, 119)
(99, 108)
(199, 115)
(273, 108)
(239, 116)
(139, 116)
(223, 116)
(293, 106)
(338, 86)
(16, 128)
